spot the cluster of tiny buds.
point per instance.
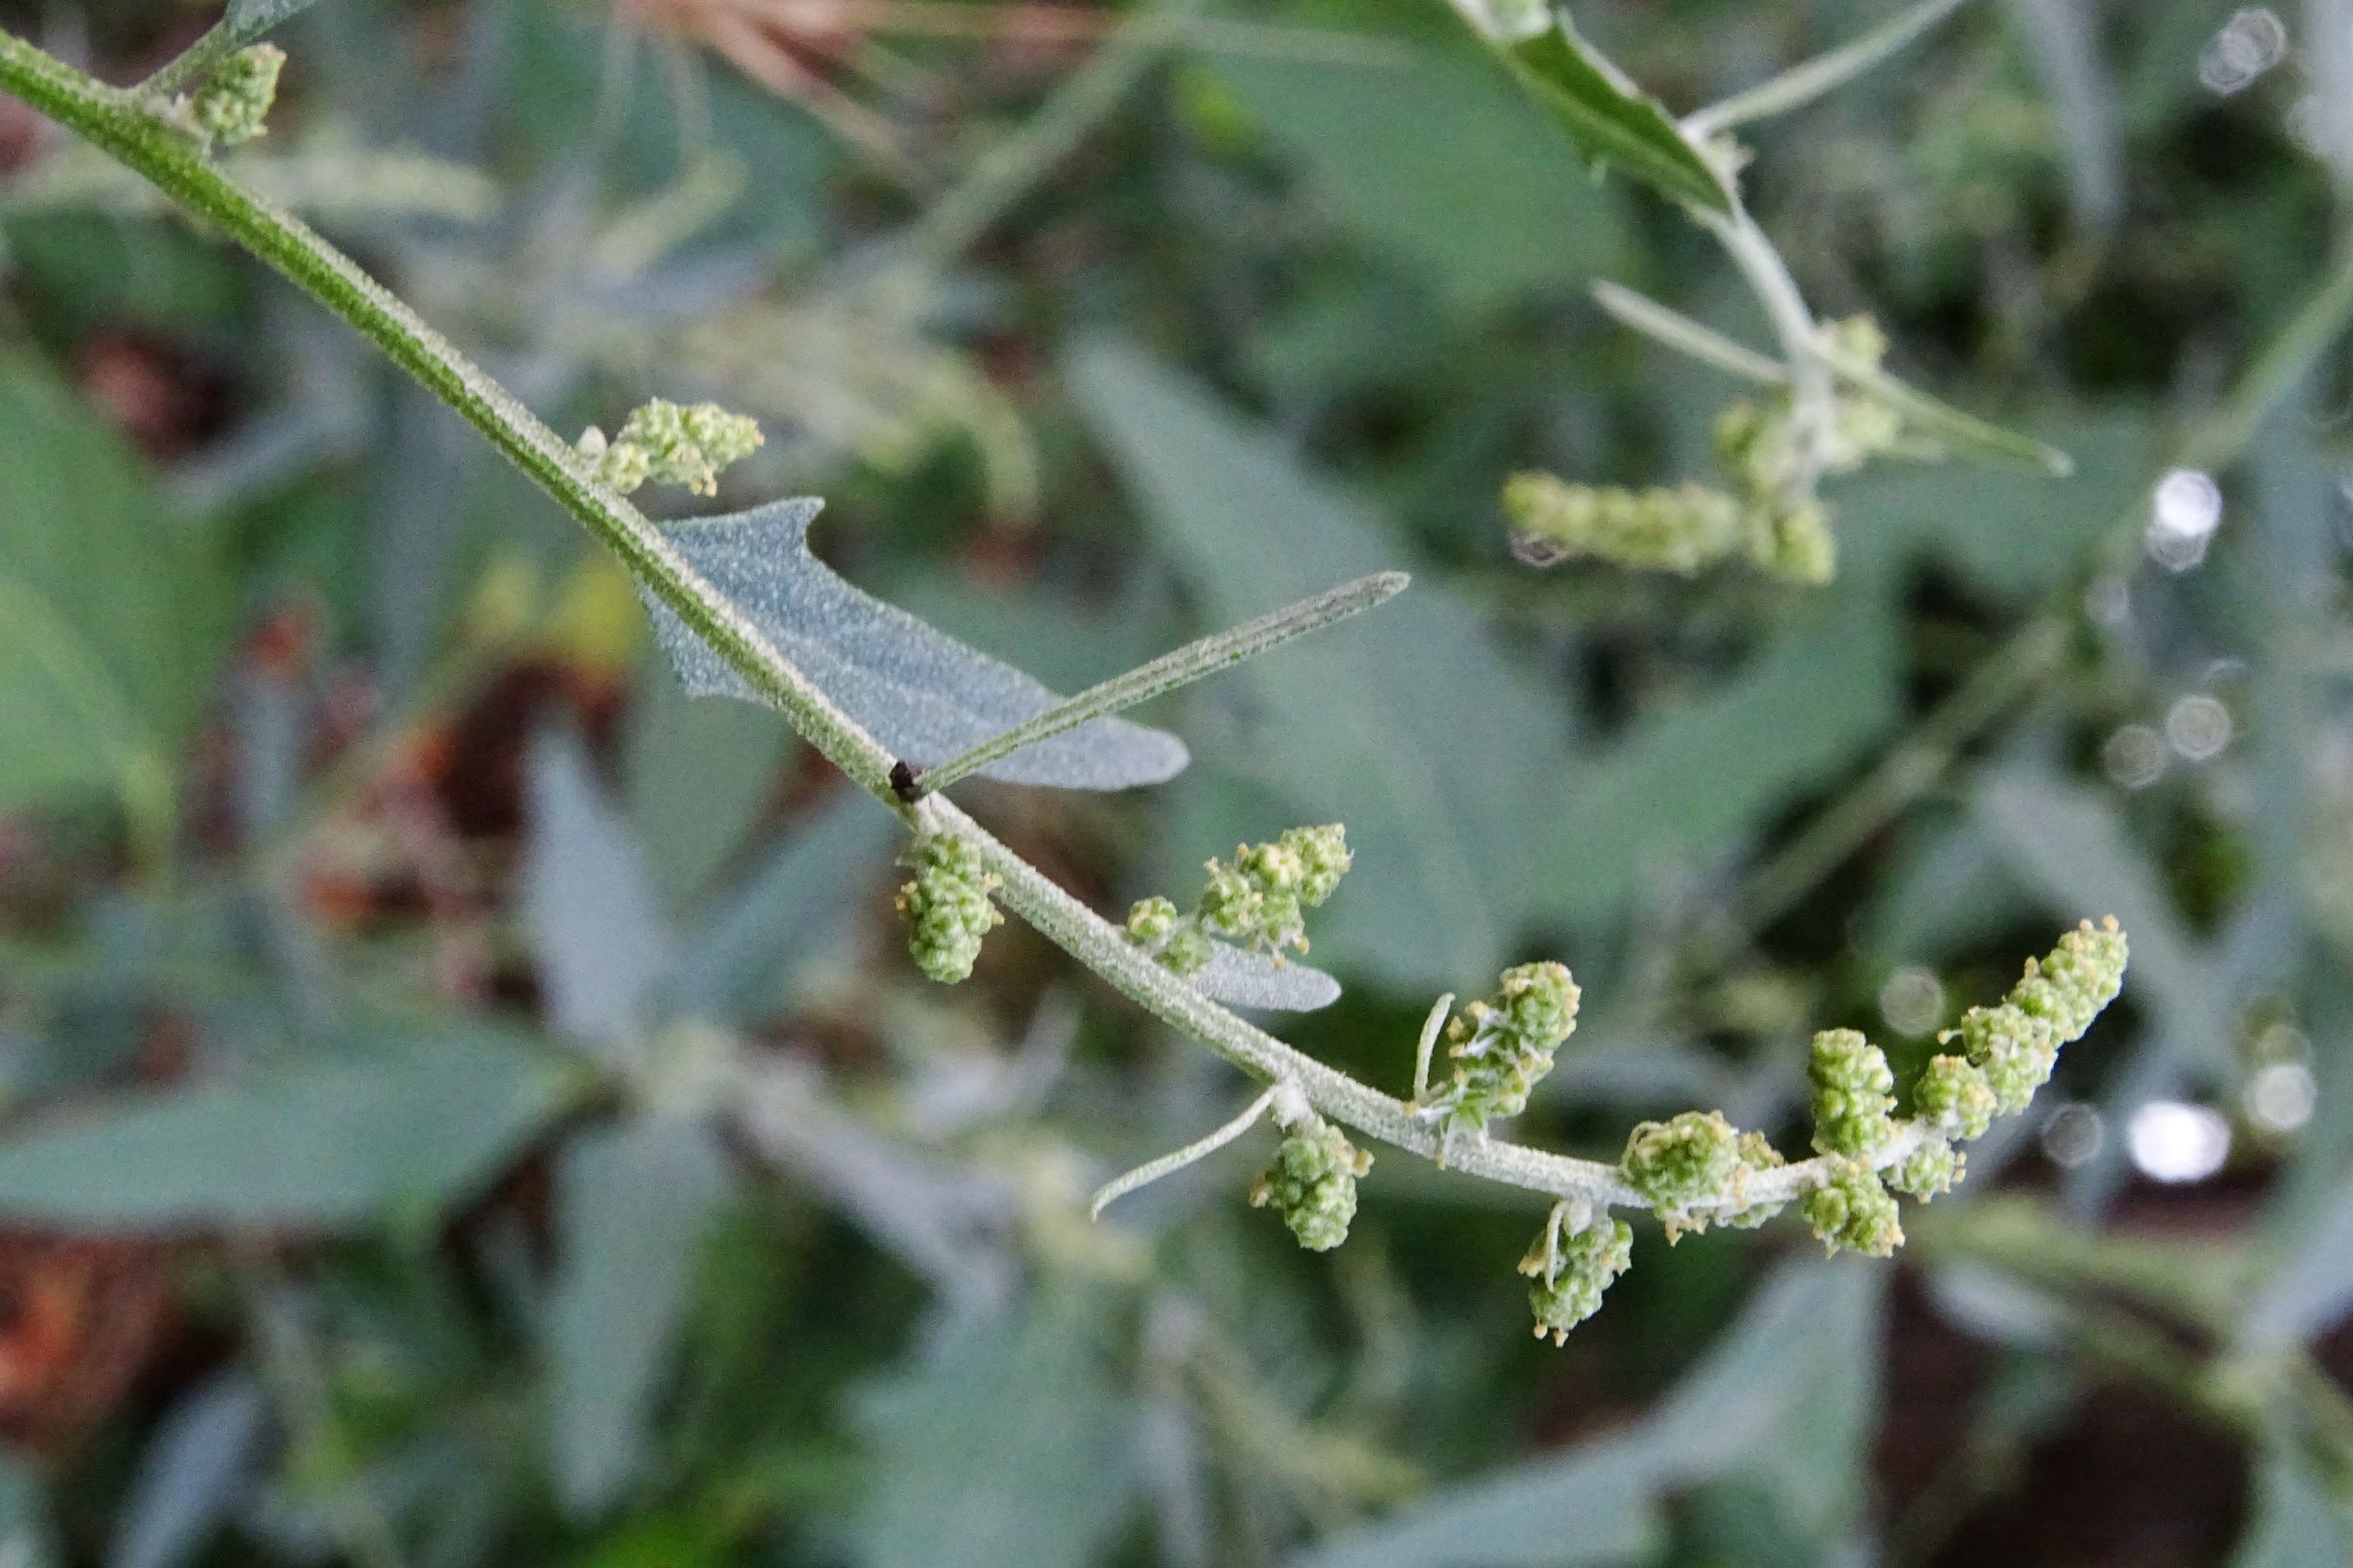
(1313, 1181)
(671, 443)
(1259, 901)
(946, 906)
(233, 104)
(1767, 511)
(1695, 1169)
(1502, 1048)
(1570, 1265)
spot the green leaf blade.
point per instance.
(1611, 118)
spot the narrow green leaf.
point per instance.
(1800, 85)
(1613, 118)
(1171, 671)
(1963, 434)
(1670, 326)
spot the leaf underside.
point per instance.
(1240, 979)
(920, 692)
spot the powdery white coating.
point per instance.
(1260, 980)
(920, 692)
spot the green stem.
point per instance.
(117, 124)
(1813, 395)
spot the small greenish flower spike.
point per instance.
(1312, 1183)
(234, 104)
(2016, 1044)
(1955, 1098)
(1685, 1162)
(1854, 1091)
(1852, 1211)
(946, 907)
(1582, 1267)
(673, 444)
(1503, 1048)
(1260, 899)
(1681, 529)
(1935, 1168)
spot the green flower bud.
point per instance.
(946, 907)
(1680, 529)
(1582, 1266)
(1323, 860)
(2016, 1044)
(1756, 1154)
(1689, 1159)
(1758, 446)
(1501, 1049)
(676, 444)
(1932, 1169)
(1794, 544)
(1852, 1212)
(1233, 905)
(1312, 1183)
(1151, 922)
(1955, 1098)
(1853, 1094)
(1189, 951)
(234, 103)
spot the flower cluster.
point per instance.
(2015, 1045)
(1313, 1181)
(1570, 1272)
(1853, 1094)
(233, 104)
(1693, 1170)
(671, 443)
(946, 906)
(1766, 509)
(1259, 901)
(1852, 1210)
(1502, 1048)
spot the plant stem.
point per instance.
(1813, 396)
(119, 125)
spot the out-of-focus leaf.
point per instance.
(743, 958)
(1690, 781)
(189, 1479)
(1381, 144)
(1246, 979)
(2313, 1288)
(26, 1538)
(409, 1126)
(632, 1203)
(697, 775)
(113, 616)
(248, 19)
(588, 901)
(2012, 533)
(1801, 1354)
(1610, 117)
(2068, 846)
(2296, 1523)
(1421, 734)
(925, 694)
(1005, 1447)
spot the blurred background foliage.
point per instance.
(374, 906)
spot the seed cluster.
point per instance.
(1259, 901)
(946, 907)
(1502, 1048)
